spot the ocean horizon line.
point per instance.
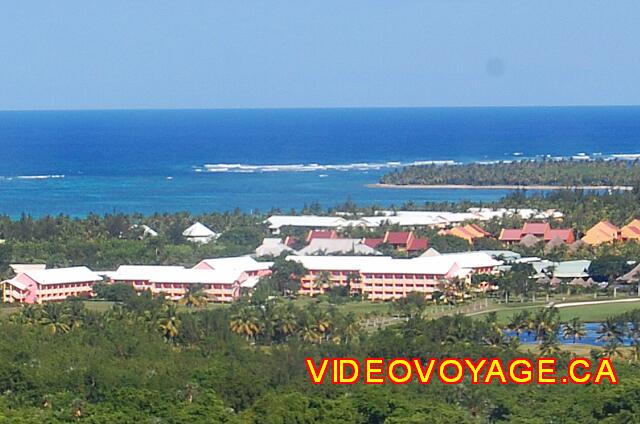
(286, 108)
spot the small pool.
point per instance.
(591, 337)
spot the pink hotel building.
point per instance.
(385, 278)
(45, 285)
(220, 279)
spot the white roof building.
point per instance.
(18, 268)
(77, 274)
(199, 233)
(174, 274)
(272, 247)
(344, 246)
(140, 272)
(444, 264)
(148, 231)
(240, 263)
(311, 221)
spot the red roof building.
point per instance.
(373, 242)
(321, 234)
(537, 229)
(405, 241)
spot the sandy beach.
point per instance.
(498, 187)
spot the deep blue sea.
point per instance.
(75, 162)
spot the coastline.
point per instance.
(498, 187)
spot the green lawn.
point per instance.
(587, 313)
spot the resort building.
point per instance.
(19, 268)
(328, 246)
(469, 232)
(631, 231)
(321, 234)
(602, 232)
(385, 278)
(272, 247)
(406, 219)
(199, 233)
(46, 285)
(541, 231)
(243, 264)
(571, 272)
(276, 222)
(403, 241)
(174, 281)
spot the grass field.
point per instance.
(586, 313)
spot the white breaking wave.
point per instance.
(311, 167)
(38, 177)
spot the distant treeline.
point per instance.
(541, 172)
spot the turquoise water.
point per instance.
(156, 161)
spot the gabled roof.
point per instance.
(510, 234)
(478, 230)
(417, 244)
(321, 234)
(373, 242)
(329, 246)
(602, 232)
(564, 234)
(141, 272)
(272, 247)
(397, 237)
(631, 276)
(78, 274)
(242, 263)
(430, 253)
(198, 230)
(199, 276)
(18, 268)
(175, 274)
(535, 228)
(311, 221)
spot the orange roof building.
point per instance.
(602, 232)
(631, 231)
(469, 232)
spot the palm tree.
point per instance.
(76, 312)
(169, 324)
(350, 327)
(612, 349)
(544, 323)
(309, 332)
(55, 318)
(353, 278)
(28, 315)
(322, 281)
(573, 329)
(634, 335)
(550, 345)
(285, 320)
(194, 297)
(609, 331)
(244, 323)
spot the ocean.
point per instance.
(76, 162)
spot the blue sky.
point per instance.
(79, 54)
